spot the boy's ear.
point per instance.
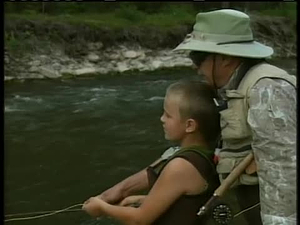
(191, 125)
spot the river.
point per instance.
(65, 141)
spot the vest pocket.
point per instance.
(226, 165)
(231, 125)
(233, 120)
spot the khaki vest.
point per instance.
(236, 132)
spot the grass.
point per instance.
(120, 18)
(105, 19)
(289, 11)
(123, 17)
(25, 42)
(128, 15)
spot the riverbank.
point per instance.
(41, 48)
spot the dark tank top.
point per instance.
(184, 210)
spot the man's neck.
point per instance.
(231, 82)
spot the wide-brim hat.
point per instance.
(224, 31)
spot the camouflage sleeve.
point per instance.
(272, 118)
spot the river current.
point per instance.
(65, 141)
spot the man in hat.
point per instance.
(257, 108)
(258, 113)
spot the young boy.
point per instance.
(180, 185)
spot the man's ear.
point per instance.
(191, 125)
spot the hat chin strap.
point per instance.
(213, 75)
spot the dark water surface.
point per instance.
(68, 140)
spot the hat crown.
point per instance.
(224, 31)
(225, 25)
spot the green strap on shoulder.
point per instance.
(208, 155)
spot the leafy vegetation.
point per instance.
(285, 9)
(120, 14)
(30, 25)
(126, 15)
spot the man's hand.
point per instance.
(112, 195)
(134, 200)
(93, 206)
(252, 168)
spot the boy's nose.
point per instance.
(162, 118)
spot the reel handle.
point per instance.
(208, 205)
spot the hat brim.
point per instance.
(249, 50)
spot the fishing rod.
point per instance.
(221, 212)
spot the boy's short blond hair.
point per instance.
(197, 102)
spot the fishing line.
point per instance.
(46, 213)
(245, 210)
(69, 209)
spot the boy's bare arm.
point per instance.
(178, 178)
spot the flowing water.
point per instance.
(65, 141)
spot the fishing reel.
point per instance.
(218, 210)
(222, 214)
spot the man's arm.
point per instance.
(272, 118)
(130, 185)
(136, 182)
(126, 187)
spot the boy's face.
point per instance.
(174, 126)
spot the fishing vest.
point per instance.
(235, 131)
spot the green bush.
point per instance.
(129, 12)
(286, 9)
(182, 9)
